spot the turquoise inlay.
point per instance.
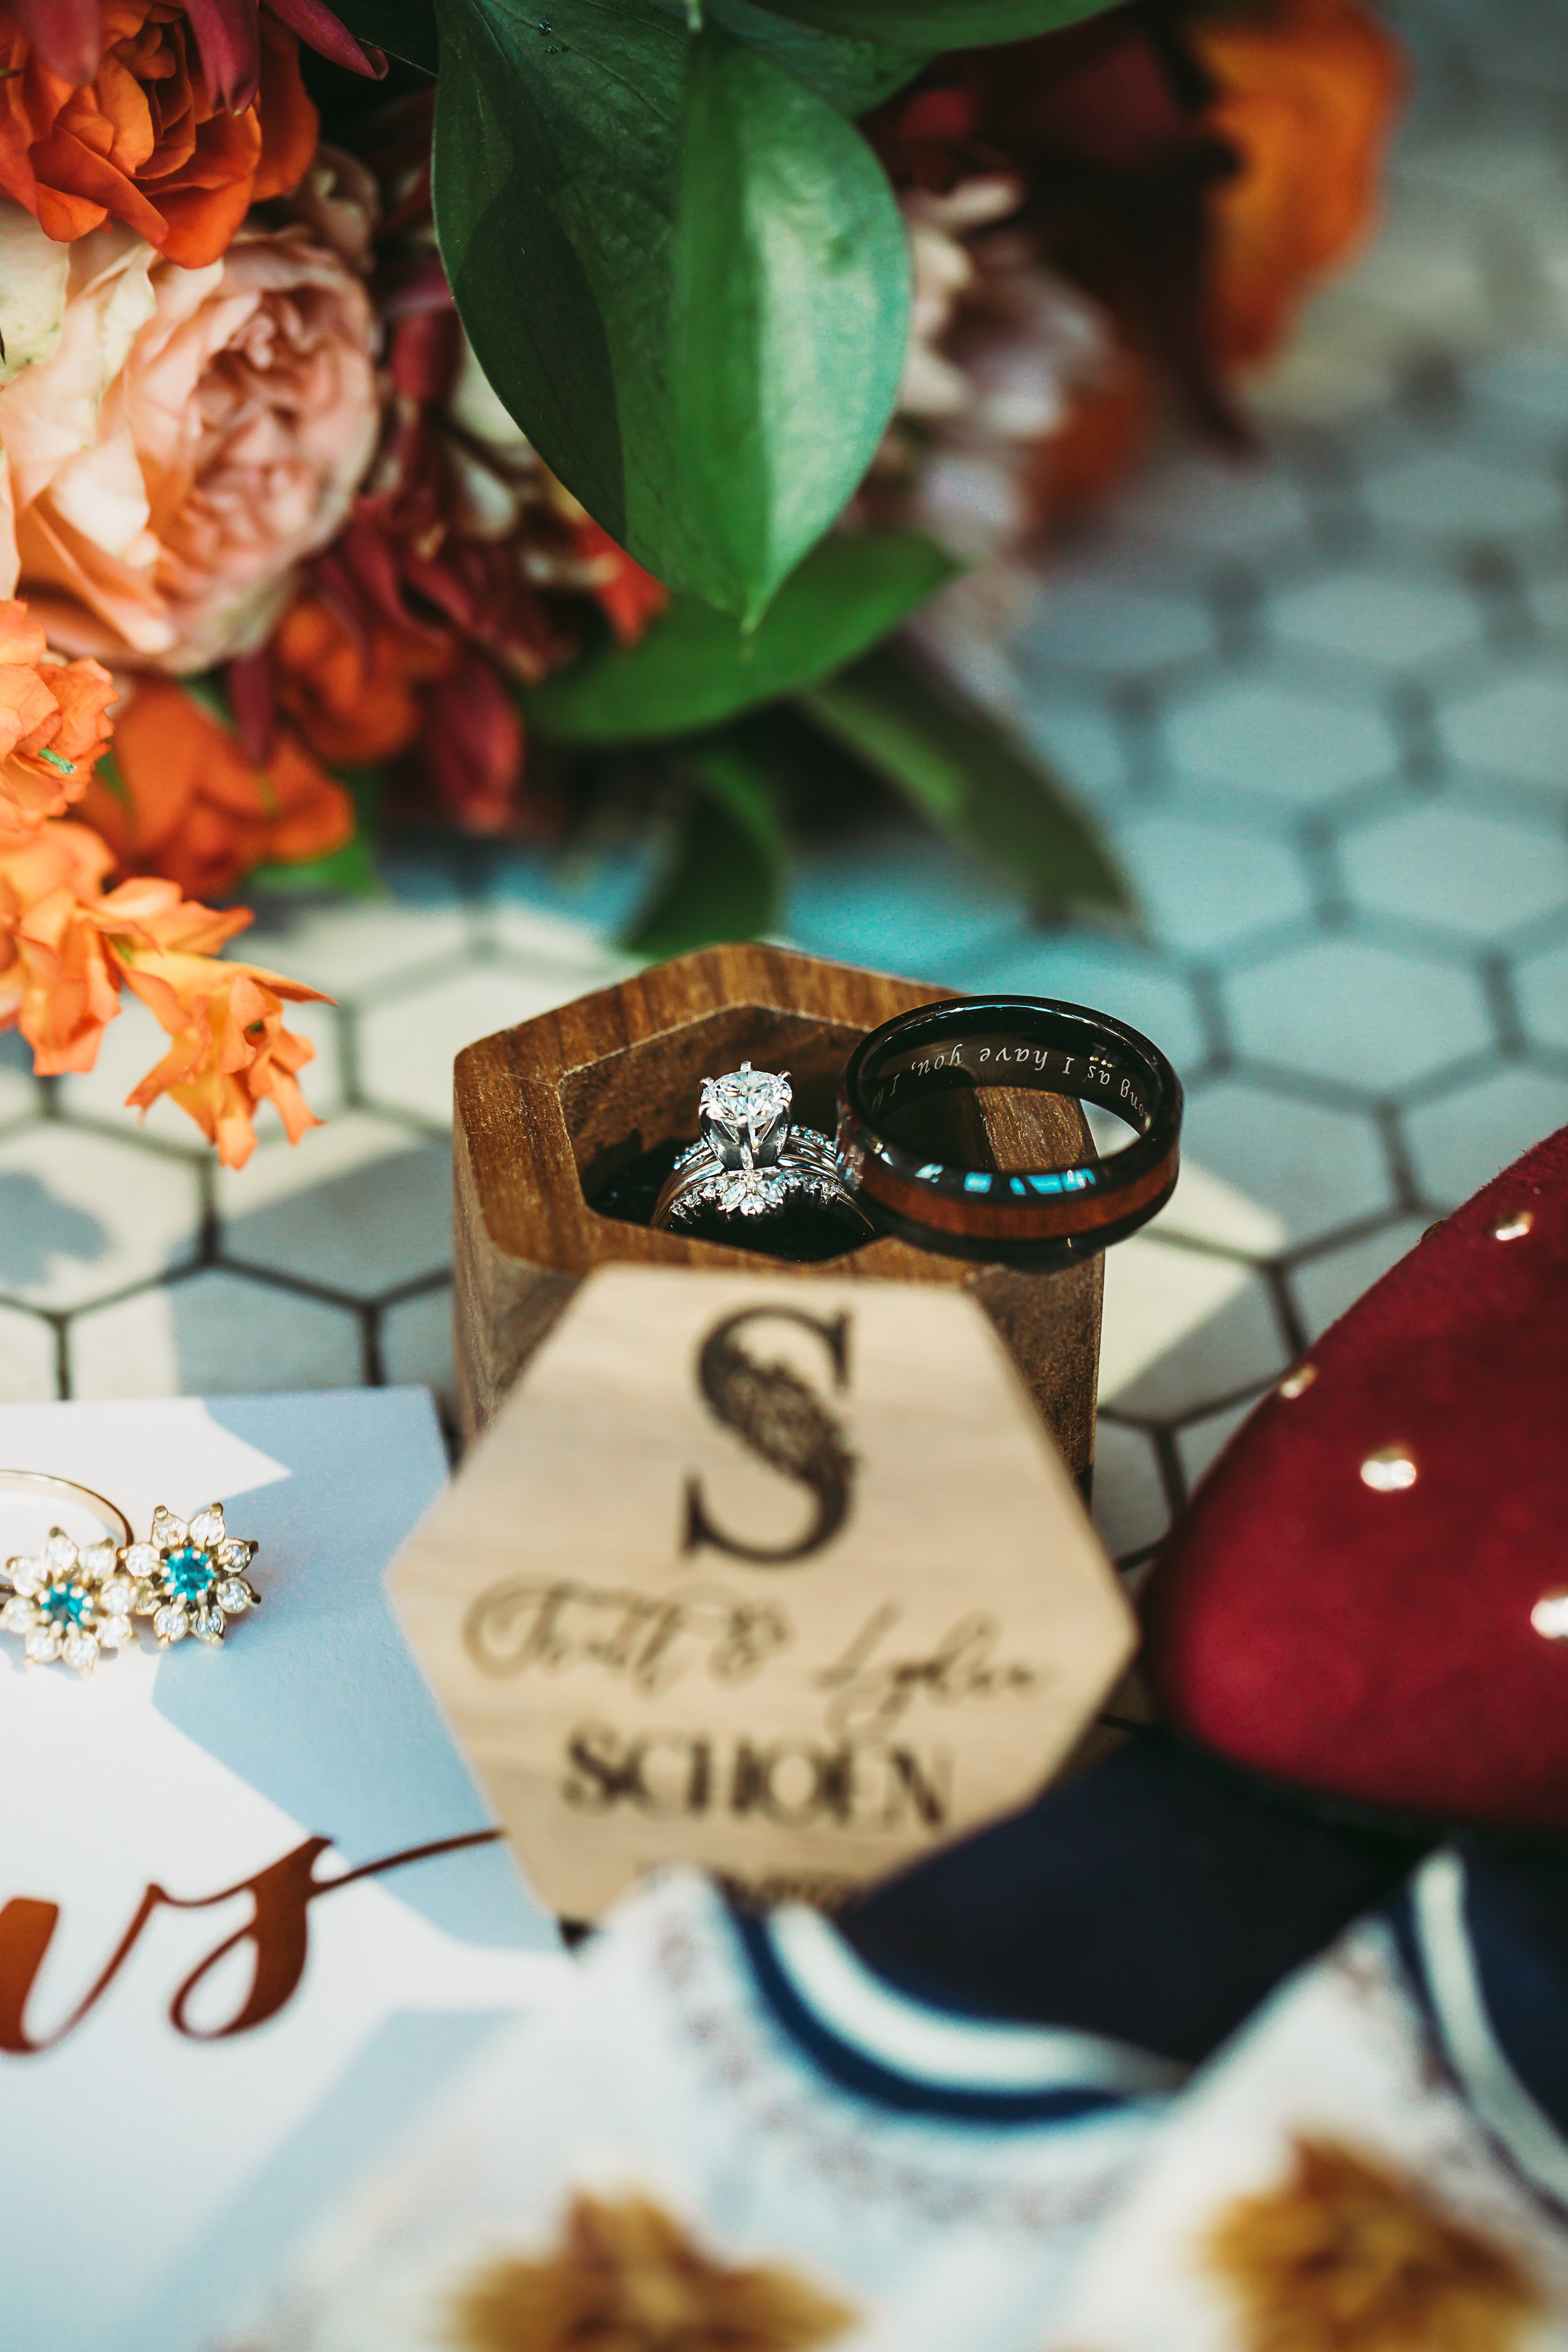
(1016, 1184)
(977, 1183)
(64, 1604)
(1047, 1183)
(189, 1571)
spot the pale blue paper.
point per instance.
(317, 1703)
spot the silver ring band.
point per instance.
(42, 1481)
(748, 1159)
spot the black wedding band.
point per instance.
(1041, 1218)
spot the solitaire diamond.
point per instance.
(746, 1113)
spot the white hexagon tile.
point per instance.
(1319, 700)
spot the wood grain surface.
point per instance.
(780, 1578)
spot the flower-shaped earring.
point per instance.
(70, 1602)
(191, 1579)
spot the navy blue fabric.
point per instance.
(1516, 1907)
(851, 2066)
(1155, 1900)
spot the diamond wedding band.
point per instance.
(748, 1159)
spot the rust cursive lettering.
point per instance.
(277, 1931)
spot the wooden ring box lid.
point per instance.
(546, 1112)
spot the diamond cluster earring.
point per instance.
(72, 1602)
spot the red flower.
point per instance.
(70, 37)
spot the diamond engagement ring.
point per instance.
(748, 1159)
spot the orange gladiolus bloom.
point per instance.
(144, 143)
(230, 1051)
(1308, 92)
(52, 723)
(200, 812)
(67, 949)
(355, 696)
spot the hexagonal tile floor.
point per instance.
(1319, 701)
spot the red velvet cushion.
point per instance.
(1378, 1645)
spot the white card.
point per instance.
(187, 2076)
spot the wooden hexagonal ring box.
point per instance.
(549, 1113)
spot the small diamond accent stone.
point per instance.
(234, 1554)
(1298, 1383)
(206, 1528)
(43, 1645)
(1389, 1471)
(209, 1625)
(17, 1615)
(167, 1528)
(114, 1633)
(99, 1558)
(1549, 1615)
(80, 1650)
(27, 1575)
(1514, 1228)
(60, 1552)
(169, 1624)
(117, 1595)
(233, 1597)
(751, 1192)
(142, 1560)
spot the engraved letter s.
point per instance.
(778, 1418)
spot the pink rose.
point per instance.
(192, 436)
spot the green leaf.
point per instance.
(107, 772)
(851, 73)
(789, 317)
(350, 872)
(577, 189)
(934, 25)
(727, 880)
(405, 27)
(694, 667)
(969, 774)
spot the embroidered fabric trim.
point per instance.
(949, 2051)
(1458, 2004)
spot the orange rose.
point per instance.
(144, 141)
(355, 698)
(1308, 90)
(52, 723)
(199, 810)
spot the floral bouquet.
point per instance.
(432, 408)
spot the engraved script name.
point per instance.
(277, 1932)
(553, 1624)
(872, 1694)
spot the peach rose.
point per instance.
(145, 141)
(193, 435)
